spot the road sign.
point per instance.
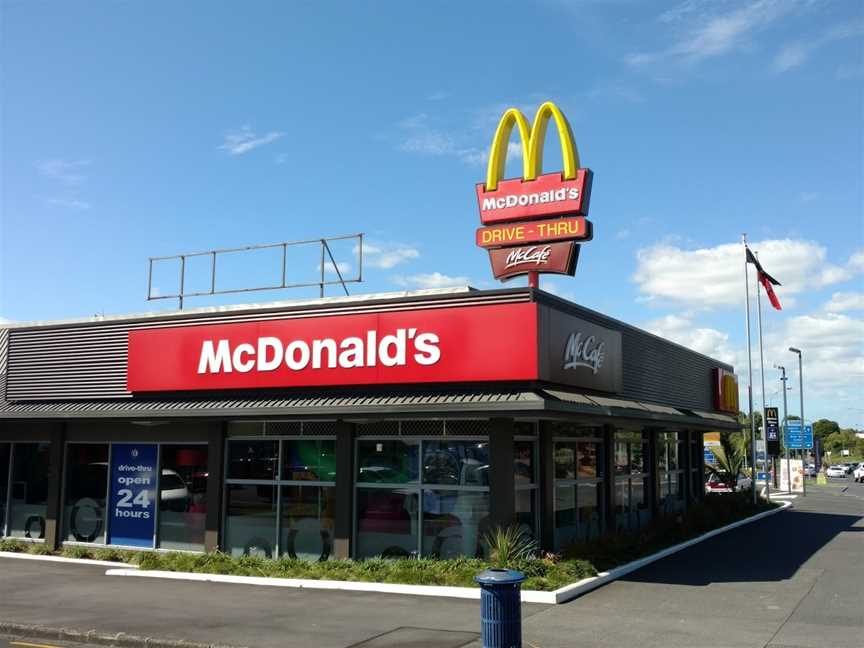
(709, 457)
(793, 437)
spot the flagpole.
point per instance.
(750, 371)
(762, 374)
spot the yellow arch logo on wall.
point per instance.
(533, 139)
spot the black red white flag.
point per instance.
(765, 279)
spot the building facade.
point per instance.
(402, 424)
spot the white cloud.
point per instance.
(856, 261)
(68, 203)
(796, 53)
(344, 268)
(845, 301)
(244, 140)
(387, 255)
(622, 233)
(708, 341)
(709, 34)
(69, 172)
(431, 280)
(712, 277)
(833, 353)
(422, 138)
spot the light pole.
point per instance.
(785, 436)
(801, 395)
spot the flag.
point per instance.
(765, 279)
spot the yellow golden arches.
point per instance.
(532, 144)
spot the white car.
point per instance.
(858, 473)
(836, 471)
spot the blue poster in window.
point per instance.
(132, 495)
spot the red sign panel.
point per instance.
(558, 258)
(468, 344)
(725, 391)
(548, 195)
(556, 229)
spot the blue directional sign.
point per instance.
(709, 457)
(793, 437)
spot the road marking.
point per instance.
(31, 645)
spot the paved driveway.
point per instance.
(795, 579)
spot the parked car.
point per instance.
(810, 470)
(858, 474)
(850, 467)
(717, 483)
(836, 470)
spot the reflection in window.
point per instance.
(388, 462)
(306, 530)
(309, 460)
(565, 460)
(28, 496)
(579, 499)
(250, 520)
(523, 462)
(457, 463)
(183, 497)
(590, 511)
(387, 523)
(85, 489)
(252, 459)
(565, 516)
(454, 522)
(5, 449)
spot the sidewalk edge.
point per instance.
(101, 638)
(62, 559)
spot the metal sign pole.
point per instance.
(762, 375)
(749, 371)
(785, 433)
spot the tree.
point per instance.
(824, 428)
(730, 458)
(841, 440)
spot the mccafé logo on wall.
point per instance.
(516, 211)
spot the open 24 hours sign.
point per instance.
(132, 513)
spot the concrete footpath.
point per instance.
(795, 579)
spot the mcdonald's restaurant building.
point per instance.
(403, 424)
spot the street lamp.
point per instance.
(785, 435)
(801, 395)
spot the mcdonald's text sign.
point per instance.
(548, 195)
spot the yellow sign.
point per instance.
(533, 138)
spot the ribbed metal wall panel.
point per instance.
(89, 360)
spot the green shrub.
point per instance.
(14, 546)
(509, 544)
(76, 551)
(39, 549)
(110, 554)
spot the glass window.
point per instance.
(638, 454)
(388, 462)
(252, 459)
(462, 463)
(454, 522)
(622, 457)
(307, 513)
(526, 511)
(309, 460)
(250, 520)
(183, 497)
(622, 504)
(85, 490)
(590, 500)
(5, 449)
(387, 522)
(28, 498)
(523, 462)
(590, 464)
(565, 515)
(565, 460)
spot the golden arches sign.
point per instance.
(533, 138)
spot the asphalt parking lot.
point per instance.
(793, 580)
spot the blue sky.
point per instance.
(131, 130)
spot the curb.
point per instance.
(554, 597)
(101, 638)
(62, 559)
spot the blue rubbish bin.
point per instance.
(500, 608)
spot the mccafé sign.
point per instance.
(502, 342)
(516, 212)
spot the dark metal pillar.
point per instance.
(609, 476)
(653, 466)
(547, 486)
(502, 486)
(215, 484)
(54, 508)
(343, 524)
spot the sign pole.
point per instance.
(801, 396)
(534, 279)
(749, 370)
(762, 374)
(785, 433)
